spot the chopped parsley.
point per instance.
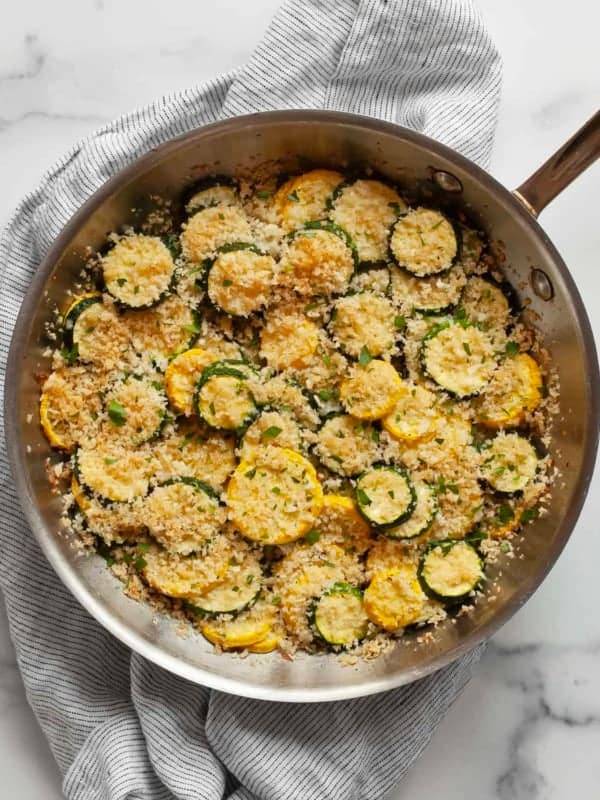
(313, 536)
(117, 413)
(271, 433)
(364, 357)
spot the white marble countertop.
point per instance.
(528, 726)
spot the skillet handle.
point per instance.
(560, 169)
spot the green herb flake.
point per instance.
(121, 281)
(399, 323)
(365, 357)
(529, 514)
(211, 408)
(249, 579)
(140, 562)
(276, 601)
(511, 349)
(362, 497)
(505, 547)
(293, 197)
(117, 413)
(313, 536)
(467, 348)
(276, 490)
(142, 547)
(251, 473)
(271, 433)
(109, 461)
(505, 514)
(227, 282)
(263, 194)
(193, 328)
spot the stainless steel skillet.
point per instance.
(417, 162)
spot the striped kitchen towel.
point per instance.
(119, 726)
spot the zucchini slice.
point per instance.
(188, 576)
(93, 332)
(288, 339)
(339, 616)
(434, 295)
(319, 259)
(193, 449)
(136, 407)
(236, 593)
(363, 320)
(394, 598)
(422, 517)
(415, 416)
(304, 573)
(424, 242)
(240, 279)
(113, 471)
(367, 209)
(167, 329)
(385, 496)
(509, 463)
(223, 398)
(69, 401)
(485, 303)
(208, 192)
(246, 629)
(79, 306)
(371, 391)
(115, 523)
(341, 523)
(450, 570)
(514, 390)
(209, 229)
(304, 197)
(183, 374)
(271, 427)
(183, 514)
(138, 271)
(459, 359)
(276, 497)
(346, 445)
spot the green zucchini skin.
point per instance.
(457, 233)
(73, 314)
(229, 368)
(245, 602)
(423, 354)
(331, 227)
(196, 483)
(208, 263)
(434, 594)
(200, 185)
(364, 507)
(407, 534)
(317, 622)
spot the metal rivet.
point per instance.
(541, 284)
(447, 181)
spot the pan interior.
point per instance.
(292, 141)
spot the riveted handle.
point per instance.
(560, 169)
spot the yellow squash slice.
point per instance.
(371, 391)
(276, 497)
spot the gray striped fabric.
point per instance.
(118, 726)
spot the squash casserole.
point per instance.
(301, 415)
